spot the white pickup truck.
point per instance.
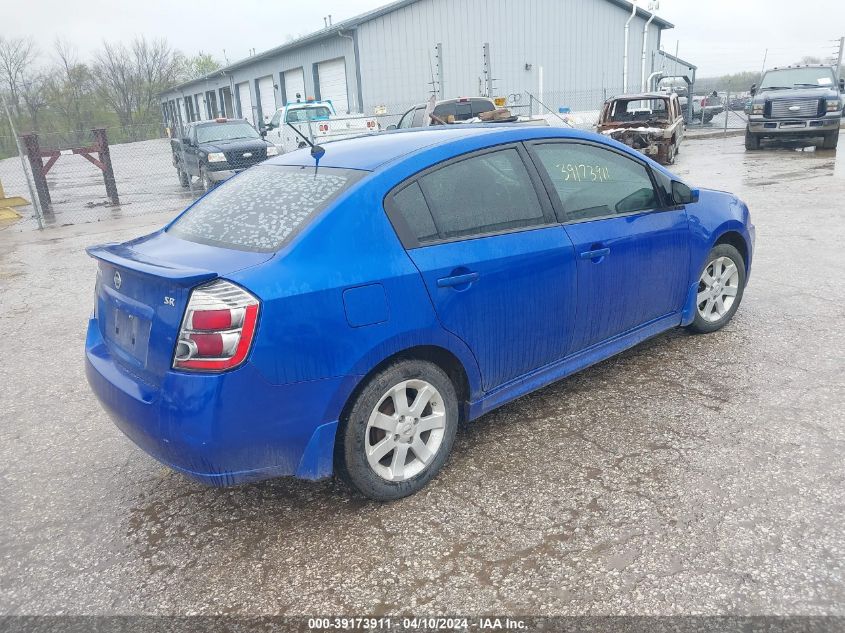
(317, 120)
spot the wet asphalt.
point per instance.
(692, 474)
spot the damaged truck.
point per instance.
(651, 123)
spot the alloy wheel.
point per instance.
(405, 430)
(717, 289)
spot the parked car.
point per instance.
(651, 123)
(447, 110)
(796, 102)
(344, 318)
(705, 108)
(737, 103)
(317, 121)
(216, 150)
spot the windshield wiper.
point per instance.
(810, 85)
(775, 88)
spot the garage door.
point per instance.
(266, 98)
(294, 84)
(202, 111)
(182, 112)
(245, 102)
(332, 76)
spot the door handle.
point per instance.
(457, 280)
(595, 254)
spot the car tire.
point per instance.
(380, 450)
(831, 140)
(720, 288)
(752, 141)
(184, 179)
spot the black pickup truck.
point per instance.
(216, 150)
(796, 102)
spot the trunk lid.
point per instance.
(143, 287)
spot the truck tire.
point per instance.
(752, 141)
(184, 179)
(831, 139)
(207, 183)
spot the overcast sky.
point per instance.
(717, 35)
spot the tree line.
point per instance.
(741, 82)
(61, 96)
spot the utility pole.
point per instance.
(763, 69)
(839, 63)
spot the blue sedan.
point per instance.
(346, 315)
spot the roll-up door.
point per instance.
(245, 102)
(266, 98)
(332, 77)
(294, 84)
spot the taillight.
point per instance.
(217, 329)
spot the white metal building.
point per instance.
(568, 52)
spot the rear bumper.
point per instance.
(221, 429)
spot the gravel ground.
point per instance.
(691, 475)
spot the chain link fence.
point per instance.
(145, 180)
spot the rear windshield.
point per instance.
(315, 113)
(262, 207)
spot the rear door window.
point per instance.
(411, 205)
(263, 207)
(487, 193)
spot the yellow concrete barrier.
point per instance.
(7, 205)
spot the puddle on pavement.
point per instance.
(801, 160)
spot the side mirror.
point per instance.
(681, 194)
(842, 84)
(392, 127)
(753, 89)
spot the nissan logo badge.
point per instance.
(117, 280)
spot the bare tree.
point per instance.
(33, 92)
(70, 92)
(116, 82)
(157, 67)
(130, 78)
(17, 59)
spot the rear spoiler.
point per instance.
(124, 257)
